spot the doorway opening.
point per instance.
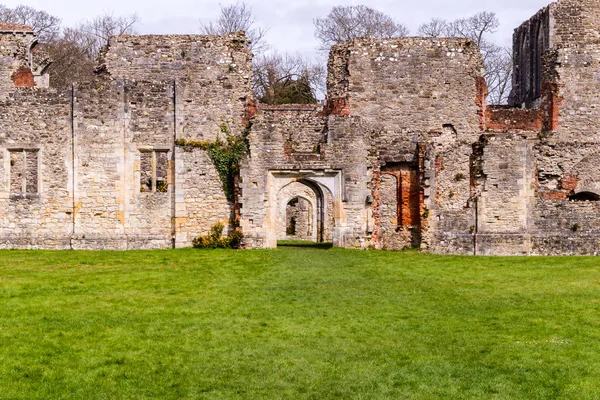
(305, 213)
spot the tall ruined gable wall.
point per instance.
(212, 74)
(530, 42)
(425, 100)
(167, 88)
(556, 76)
(566, 219)
(412, 85)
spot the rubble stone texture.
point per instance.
(405, 152)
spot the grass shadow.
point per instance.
(304, 244)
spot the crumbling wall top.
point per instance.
(408, 51)
(175, 56)
(4, 27)
(289, 107)
(368, 45)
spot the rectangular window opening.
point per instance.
(24, 171)
(154, 170)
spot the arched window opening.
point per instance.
(584, 196)
(539, 50)
(524, 69)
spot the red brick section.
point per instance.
(568, 183)
(23, 77)
(288, 107)
(551, 102)
(337, 107)
(410, 206)
(423, 211)
(503, 119)
(250, 111)
(376, 207)
(439, 163)
(408, 195)
(14, 28)
(409, 202)
(481, 101)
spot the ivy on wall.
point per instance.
(225, 154)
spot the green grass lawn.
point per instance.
(297, 323)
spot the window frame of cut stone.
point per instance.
(158, 184)
(28, 188)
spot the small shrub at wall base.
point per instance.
(162, 186)
(215, 239)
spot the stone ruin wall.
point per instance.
(97, 143)
(406, 152)
(397, 126)
(505, 180)
(563, 218)
(35, 126)
(419, 97)
(301, 142)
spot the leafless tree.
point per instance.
(499, 70)
(70, 61)
(497, 60)
(280, 78)
(73, 51)
(74, 54)
(238, 17)
(347, 22)
(44, 25)
(477, 28)
(434, 28)
(277, 78)
(92, 36)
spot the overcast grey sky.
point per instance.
(289, 22)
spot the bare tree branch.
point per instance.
(92, 36)
(238, 17)
(347, 22)
(75, 52)
(45, 26)
(434, 28)
(276, 74)
(496, 59)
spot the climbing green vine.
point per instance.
(225, 154)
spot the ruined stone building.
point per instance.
(405, 153)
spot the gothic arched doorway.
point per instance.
(304, 209)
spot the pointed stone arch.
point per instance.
(326, 185)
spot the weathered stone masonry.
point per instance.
(109, 174)
(405, 152)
